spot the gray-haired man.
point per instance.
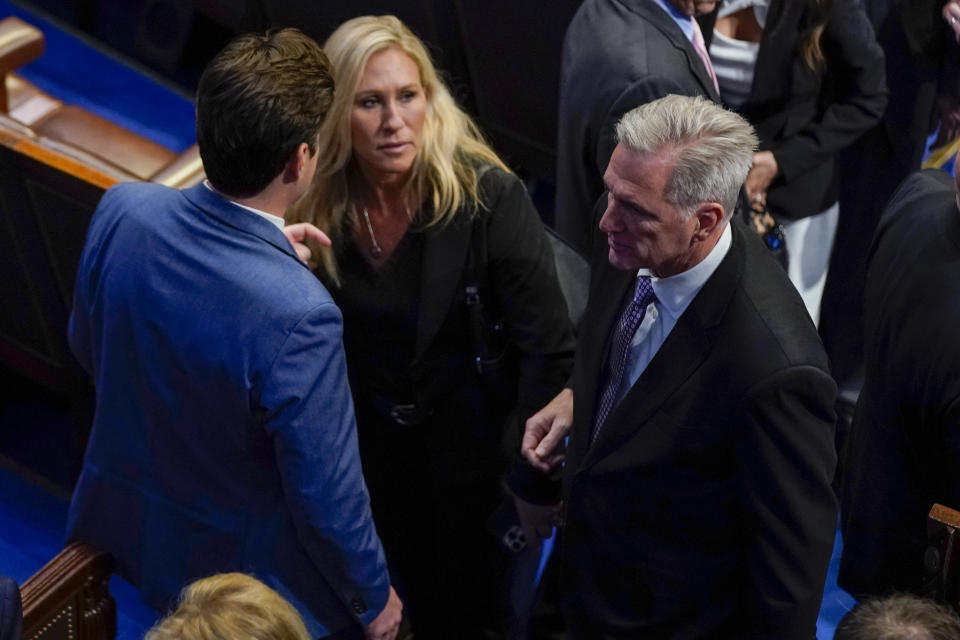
(697, 477)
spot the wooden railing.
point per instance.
(69, 598)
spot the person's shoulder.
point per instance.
(927, 181)
(502, 194)
(615, 33)
(771, 318)
(136, 191)
(136, 198)
(923, 197)
(490, 177)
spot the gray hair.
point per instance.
(712, 147)
(899, 617)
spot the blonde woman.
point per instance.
(227, 606)
(420, 209)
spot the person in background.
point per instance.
(227, 606)
(899, 617)
(224, 435)
(903, 454)
(617, 55)
(809, 76)
(922, 63)
(453, 319)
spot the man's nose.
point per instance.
(610, 220)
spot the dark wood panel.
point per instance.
(46, 201)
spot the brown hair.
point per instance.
(257, 101)
(811, 49)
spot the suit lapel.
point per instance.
(445, 254)
(684, 351)
(612, 285)
(681, 354)
(657, 17)
(233, 216)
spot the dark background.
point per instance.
(501, 58)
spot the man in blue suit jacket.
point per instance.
(224, 436)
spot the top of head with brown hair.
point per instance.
(258, 99)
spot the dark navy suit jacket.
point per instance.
(703, 509)
(903, 454)
(224, 435)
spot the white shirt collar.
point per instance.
(675, 292)
(276, 221)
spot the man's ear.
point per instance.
(297, 163)
(709, 215)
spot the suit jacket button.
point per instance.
(358, 606)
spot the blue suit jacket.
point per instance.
(224, 436)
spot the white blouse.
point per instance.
(734, 60)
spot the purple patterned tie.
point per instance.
(630, 319)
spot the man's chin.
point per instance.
(620, 261)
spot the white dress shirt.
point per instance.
(674, 295)
(276, 221)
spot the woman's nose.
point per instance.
(391, 117)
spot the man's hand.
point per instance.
(537, 520)
(545, 431)
(762, 173)
(386, 625)
(299, 233)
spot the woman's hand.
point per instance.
(299, 233)
(761, 175)
(951, 13)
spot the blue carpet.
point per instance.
(78, 74)
(32, 522)
(836, 602)
(31, 531)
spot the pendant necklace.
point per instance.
(375, 251)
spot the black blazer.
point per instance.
(904, 449)
(461, 440)
(617, 54)
(805, 118)
(704, 508)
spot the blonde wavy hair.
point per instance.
(445, 171)
(228, 606)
